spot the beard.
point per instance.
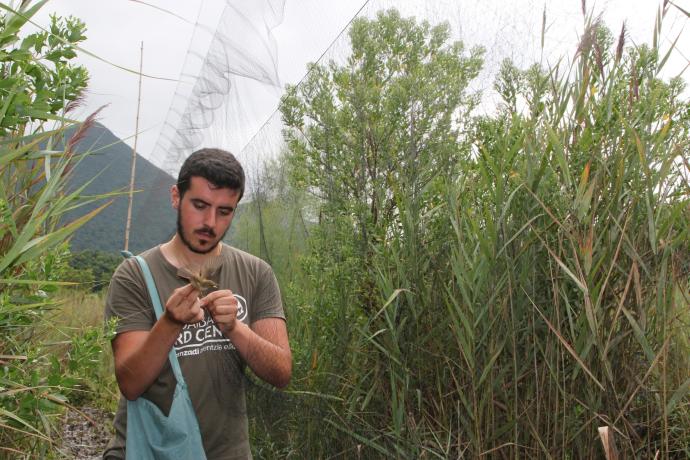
(182, 231)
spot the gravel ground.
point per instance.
(85, 434)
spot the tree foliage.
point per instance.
(391, 119)
(38, 76)
(370, 138)
(92, 269)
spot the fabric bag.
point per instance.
(150, 434)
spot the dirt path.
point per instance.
(85, 438)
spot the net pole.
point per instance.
(134, 153)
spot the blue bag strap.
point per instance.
(158, 308)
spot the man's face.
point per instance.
(204, 214)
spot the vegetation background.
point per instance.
(456, 285)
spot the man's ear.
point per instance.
(175, 196)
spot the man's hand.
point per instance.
(184, 306)
(263, 346)
(222, 305)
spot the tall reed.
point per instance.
(531, 290)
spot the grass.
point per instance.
(76, 334)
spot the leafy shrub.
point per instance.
(40, 86)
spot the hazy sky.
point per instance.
(117, 27)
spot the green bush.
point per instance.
(93, 268)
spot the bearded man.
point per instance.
(215, 334)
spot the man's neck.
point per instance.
(178, 254)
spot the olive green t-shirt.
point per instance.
(211, 366)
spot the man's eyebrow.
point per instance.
(199, 200)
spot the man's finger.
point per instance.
(181, 293)
(223, 305)
(199, 317)
(193, 294)
(217, 295)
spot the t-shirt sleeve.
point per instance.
(268, 302)
(128, 299)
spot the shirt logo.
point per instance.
(241, 308)
(204, 336)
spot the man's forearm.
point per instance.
(271, 362)
(141, 355)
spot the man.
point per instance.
(214, 334)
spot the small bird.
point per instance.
(198, 277)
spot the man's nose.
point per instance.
(210, 218)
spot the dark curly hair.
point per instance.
(217, 166)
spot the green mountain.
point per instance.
(153, 218)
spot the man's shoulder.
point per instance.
(151, 253)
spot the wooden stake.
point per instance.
(606, 435)
(134, 154)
